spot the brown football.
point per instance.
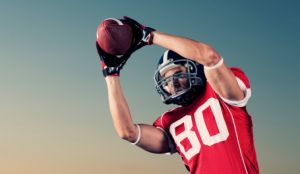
(114, 36)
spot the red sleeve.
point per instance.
(244, 84)
(241, 75)
(158, 123)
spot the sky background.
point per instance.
(54, 116)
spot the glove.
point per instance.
(141, 35)
(111, 65)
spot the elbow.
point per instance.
(207, 55)
(127, 135)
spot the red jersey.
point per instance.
(213, 135)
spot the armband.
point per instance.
(217, 65)
(139, 135)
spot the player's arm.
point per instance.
(218, 75)
(148, 137)
(145, 136)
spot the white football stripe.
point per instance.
(115, 19)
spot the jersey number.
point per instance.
(206, 138)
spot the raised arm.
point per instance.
(218, 75)
(145, 136)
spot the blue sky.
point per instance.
(54, 112)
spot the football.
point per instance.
(114, 37)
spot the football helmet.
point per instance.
(190, 73)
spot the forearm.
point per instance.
(151, 138)
(119, 109)
(221, 79)
(191, 49)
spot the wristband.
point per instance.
(217, 65)
(150, 35)
(150, 40)
(139, 135)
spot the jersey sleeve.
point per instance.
(244, 84)
(158, 123)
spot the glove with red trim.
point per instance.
(111, 65)
(142, 35)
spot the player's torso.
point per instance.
(206, 136)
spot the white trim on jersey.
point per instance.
(172, 146)
(161, 118)
(237, 139)
(243, 102)
(161, 121)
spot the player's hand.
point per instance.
(142, 35)
(111, 65)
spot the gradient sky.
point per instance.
(54, 115)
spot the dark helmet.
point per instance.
(194, 76)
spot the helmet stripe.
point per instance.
(165, 58)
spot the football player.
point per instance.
(211, 129)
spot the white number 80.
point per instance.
(206, 138)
